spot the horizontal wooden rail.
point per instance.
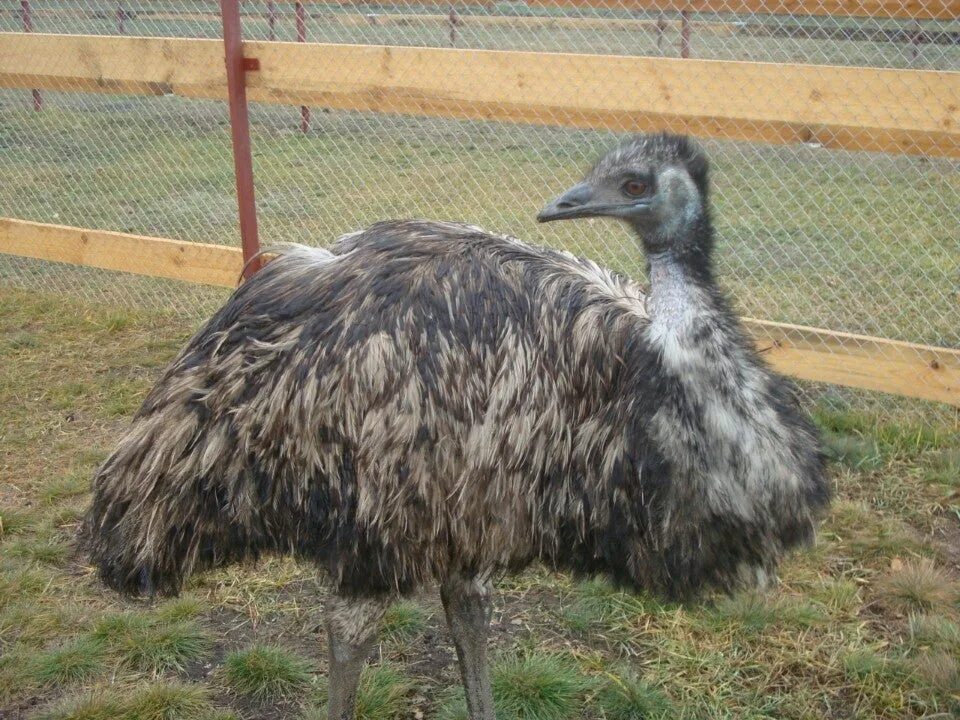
(151, 256)
(900, 368)
(905, 9)
(908, 9)
(904, 111)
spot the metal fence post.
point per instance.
(28, 27)
(453, 20)
(684, 33)
(271, 20)
(301, 13)
(237, 66)
(121, 17)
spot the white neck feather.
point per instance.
(674, 297)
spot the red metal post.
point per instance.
(271, 20)
(685, 33)
(28, 27)
(121, 16)
(240, 130)
(302, 37)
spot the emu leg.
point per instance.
(352, 632)
(468, 605)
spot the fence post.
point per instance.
(916, 36)
(28, 27)
(237, 66)
(302, 37)
(684, 33)
(271, 20)
(453, 20)
(121, 16)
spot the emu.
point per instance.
(433, 403)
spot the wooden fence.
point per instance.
(837, 107)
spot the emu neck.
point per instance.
(677, 292)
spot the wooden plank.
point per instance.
(899, 111)
(155, 257)
(920, 371)
(900, 368)
(904, 9)
(131, 65)
(838, 107)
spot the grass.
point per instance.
(864, 625)
(151, 702)
(266, 672)
(920, 585)
(72, 662)
(151, 645)
(530, 686)
(628, 697)
(384, 694)
(402, 622)
(537, 686)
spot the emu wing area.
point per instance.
(429, 395)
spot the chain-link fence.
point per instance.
(853, 241)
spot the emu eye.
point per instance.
(635, 188)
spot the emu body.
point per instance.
(433, 403)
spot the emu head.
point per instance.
(657, 184)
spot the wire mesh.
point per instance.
(853, 241)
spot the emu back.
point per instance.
(431, 399)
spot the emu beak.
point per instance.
(574, 203)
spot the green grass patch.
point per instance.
(867, 663)
(73, 662)
(14, 521)
(934, 632)
(402, 622)
(532, 686)
(537, 686)
(116, 321)
(44, 551)
(151, 702)
(596, 602)
(73, 484)
(942, 466)
(383, 694)
(264, 672)
(747, 612)
(21, 340)
(124, 397)
(65, 396)
(178, 610)
(853, 451)
(892, 440)
(151, 645)
(627, 697)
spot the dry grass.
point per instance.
(864, 625)
(919, 586)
